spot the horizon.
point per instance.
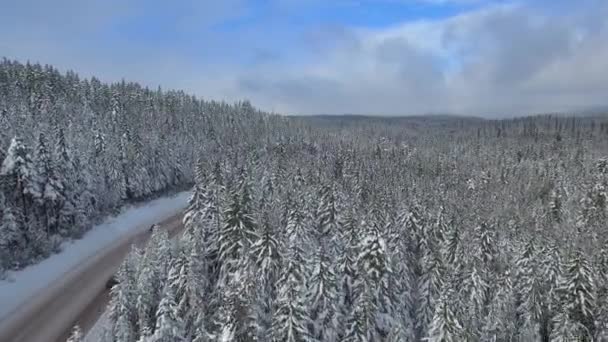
(490, 59)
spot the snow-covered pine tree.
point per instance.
(238, 230)
(485, 239)
(201, 333)
(266, 257)
(296, 229)
(290, 320)
(66, 216)
(500, 324)
(347, 271)
(445, 326)
(19, 167)
(429, 283)
(374, 268)
(577, 292)
(123, 315)
(323, 296)
(476, 292)
(22, 184)
(76, 335)
(602, 294)
(169, 326)
(327, 214)
(361, 324)
(450, 246)
(528, 290)
(11, 237)
(50, 187)
(152, 275)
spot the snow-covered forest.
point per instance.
(365, 229)
(74, 150)
(313, 229)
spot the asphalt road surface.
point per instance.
(79, 297)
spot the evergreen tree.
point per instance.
(529, 293)
(429, 287)
(445, 326)
(19, 167)
(500, 324)
(347, 274)
(238, 231)
(373, 264)
(169, 327)
(322, 297)
(577, 291)
(266, 256)
(76, 335)
(11, 236)
(361, 324)
(290, 321)
(151, 278)
(50, 186)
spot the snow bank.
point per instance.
(98, 330)
(23, 284)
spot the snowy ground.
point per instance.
(98, 330)
(24, 284)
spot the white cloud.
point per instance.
(499, 60)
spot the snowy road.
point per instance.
(79, 297)
(46, 314)
(97, 305)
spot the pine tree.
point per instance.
(327, 214)
(565, 330)
(577, 291)
(11, 237)
(429, 289)
(238, 231)
(290, 321)
(450, 247)
(76, 335)
(122, 309)
(188, 277)
(50, 185)
(19, 166)
(200, 333)
(373, 264)
(529, 292)
(361, 323)
(602, 294)
(66, 216)
(296, 229)
(266, 258)
(487, 246)
(322, 296)
(445, 326)
(265, 252)
(347, 273)
(500, 322)
(476, 291)
(169, 326)
(151, 278)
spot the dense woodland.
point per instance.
(314, 229)
(416, 229)
(74, 150)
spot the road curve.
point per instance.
(78, 297)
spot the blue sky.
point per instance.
(343, 56)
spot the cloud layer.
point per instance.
(497, 59)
